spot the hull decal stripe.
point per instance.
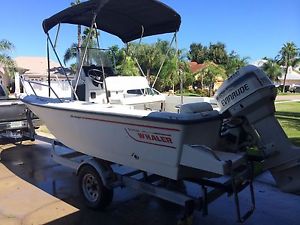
(124, 123)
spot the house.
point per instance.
(293, 75)
(197, 67)
(36, 69)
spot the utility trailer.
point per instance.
(98, 178)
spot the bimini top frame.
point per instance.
(129, 20)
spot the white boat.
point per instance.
(198, 142)
(135, 91)
(150, 141)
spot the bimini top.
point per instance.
(127, 19)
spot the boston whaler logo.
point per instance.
(160, 139)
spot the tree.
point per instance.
(208, 75)
(174, 68)
(79, 39)
(217, 53)
(72, 51)
(149, 57)
(170, 75)
(234, 62)
(198, 53)
(5, 60)
(128, 67)
(116, 55)
(288, 57)
(272, 69)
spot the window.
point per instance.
(135, 92)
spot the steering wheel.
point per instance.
(96, 75)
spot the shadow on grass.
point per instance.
(290, 123)
(295, 141)
(287, 114)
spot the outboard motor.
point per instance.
(250, 94)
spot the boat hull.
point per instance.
(146, 143)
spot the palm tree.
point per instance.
(288, 57)
(75, 49)
(272, 69)
(78, 28)
(72, 51)
(234, 62)
(169, 74)
(128, 67)
(5, 60)
(148, 56)
(209, 74)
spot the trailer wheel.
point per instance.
(94, 193)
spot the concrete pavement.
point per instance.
(20, 201)
(36, 190)
(294, 97)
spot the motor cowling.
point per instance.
(243, 89)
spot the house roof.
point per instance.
(196, 67)
(38, 66)
(292, 75)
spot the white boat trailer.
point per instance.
(98, 178)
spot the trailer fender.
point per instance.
(102, 168)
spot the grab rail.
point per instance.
(30, 82)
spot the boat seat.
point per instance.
(195, 107)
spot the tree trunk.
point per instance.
(284, 79)
(148, 75)
(79, 46)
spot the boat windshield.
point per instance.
(144, 91)
(98, 57)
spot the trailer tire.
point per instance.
(92, 190)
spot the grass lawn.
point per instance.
(288, 115)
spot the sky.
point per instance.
(252, 28)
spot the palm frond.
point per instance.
(6, 45)
(71, 53)
(8, 63)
